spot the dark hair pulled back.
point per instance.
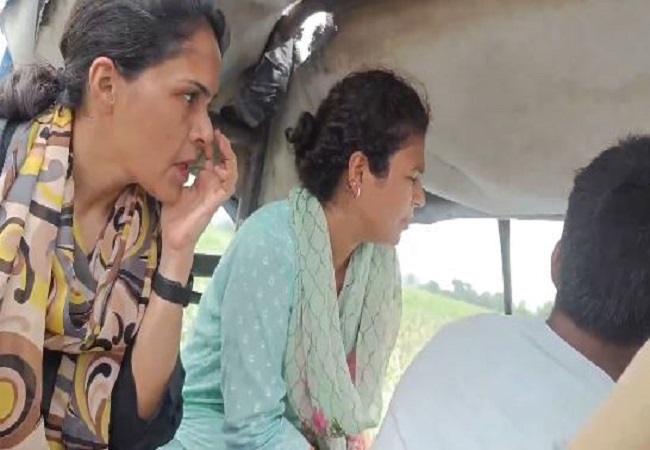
(134, 34)
(372, 111)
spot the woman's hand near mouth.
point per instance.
(184, 221)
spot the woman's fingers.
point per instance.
(225, 148)
(216, 181)
(226, 170)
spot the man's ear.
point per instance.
(556, 258)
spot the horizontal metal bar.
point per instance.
(204, 265)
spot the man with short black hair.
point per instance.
(499, 382)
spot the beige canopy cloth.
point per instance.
(523, 92)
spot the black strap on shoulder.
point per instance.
(7, 129)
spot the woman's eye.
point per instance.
(190, 97)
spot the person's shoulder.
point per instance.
(274, 211)
(270, 222)
(480, 333)
(267, 230)
(488, 323)
(467, 349)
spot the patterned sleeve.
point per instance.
(257, 301)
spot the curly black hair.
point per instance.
(604, 284)
(373, 111)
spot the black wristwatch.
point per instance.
(172, 291)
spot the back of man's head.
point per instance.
(604, 279)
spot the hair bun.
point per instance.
(28, 91)
(304, 134)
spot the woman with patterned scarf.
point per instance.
(293, 335)
(97, 227)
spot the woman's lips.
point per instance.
(183, 170)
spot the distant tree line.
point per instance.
(466, 293)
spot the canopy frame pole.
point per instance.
(506, 268)
(252, 185)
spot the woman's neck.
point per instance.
(99, 180)
(344, 238)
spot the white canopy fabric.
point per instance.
(523, 92)
(251, 22)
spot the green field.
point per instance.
(215, 239)
(423, 313)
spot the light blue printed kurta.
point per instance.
(234, 395)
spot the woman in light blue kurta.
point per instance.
(239, 340)
(294, 333)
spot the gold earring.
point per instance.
(355, 188)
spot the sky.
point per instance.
(469, 250)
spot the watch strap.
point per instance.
(172, 291)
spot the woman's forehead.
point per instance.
(199, 63)
(410, 156)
